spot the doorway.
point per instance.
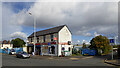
(52, 49)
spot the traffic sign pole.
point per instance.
(112, 52)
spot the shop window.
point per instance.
(31, 40)
(52, 39)
(44, 38)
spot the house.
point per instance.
(6, 45)
(54, 41)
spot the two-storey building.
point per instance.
(54, 41)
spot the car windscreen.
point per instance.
(23, 53)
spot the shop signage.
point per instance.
(46, 43)
(53, 42)
(55, 38)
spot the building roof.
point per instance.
(48, 31)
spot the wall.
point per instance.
(64, 35)
(48, 38)
(25, 49)
(66, 49)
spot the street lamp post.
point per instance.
(34, 31)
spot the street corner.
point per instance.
(112, 62)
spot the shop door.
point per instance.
(53, 49)
(38, 50)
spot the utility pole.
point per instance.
(34, 31)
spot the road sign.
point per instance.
(48, 43)
(112, 43)
(111, 40)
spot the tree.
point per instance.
(100, 43)
(84, 45)
(18, 42)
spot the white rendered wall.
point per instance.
(64, 35)
(10, 46)
(25, 49)
(66, 48)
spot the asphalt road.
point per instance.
(10, 60)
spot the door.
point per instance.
(53, 49)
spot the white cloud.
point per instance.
(96, 34)
(78, 41)
(83, 41)
(19, 35)
(86, 42)
(80, 17)
(9, 24)
(84, 33)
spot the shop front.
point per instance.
(30, 48)
(49, 50)
(46, 49)
(38, 49)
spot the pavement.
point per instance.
(11, 60)
(115, 61)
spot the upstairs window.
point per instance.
(31, 40)
(52, 38)
(43, 38)
(37, 39)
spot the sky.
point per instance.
(85, 19)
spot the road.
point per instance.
(10, 60)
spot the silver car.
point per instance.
(23, 55)
(12, 52)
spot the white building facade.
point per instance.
(54, 41)
(5, 46)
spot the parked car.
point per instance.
(22, 55)
(12, 52)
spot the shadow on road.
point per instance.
(108, 56)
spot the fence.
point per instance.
(18, 49)
(6, 51)
(88, 52)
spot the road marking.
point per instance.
(74, 58)
(88, 57)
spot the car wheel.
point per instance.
(22, 57)
(28, 57)
(16, 56)
(10, 53)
